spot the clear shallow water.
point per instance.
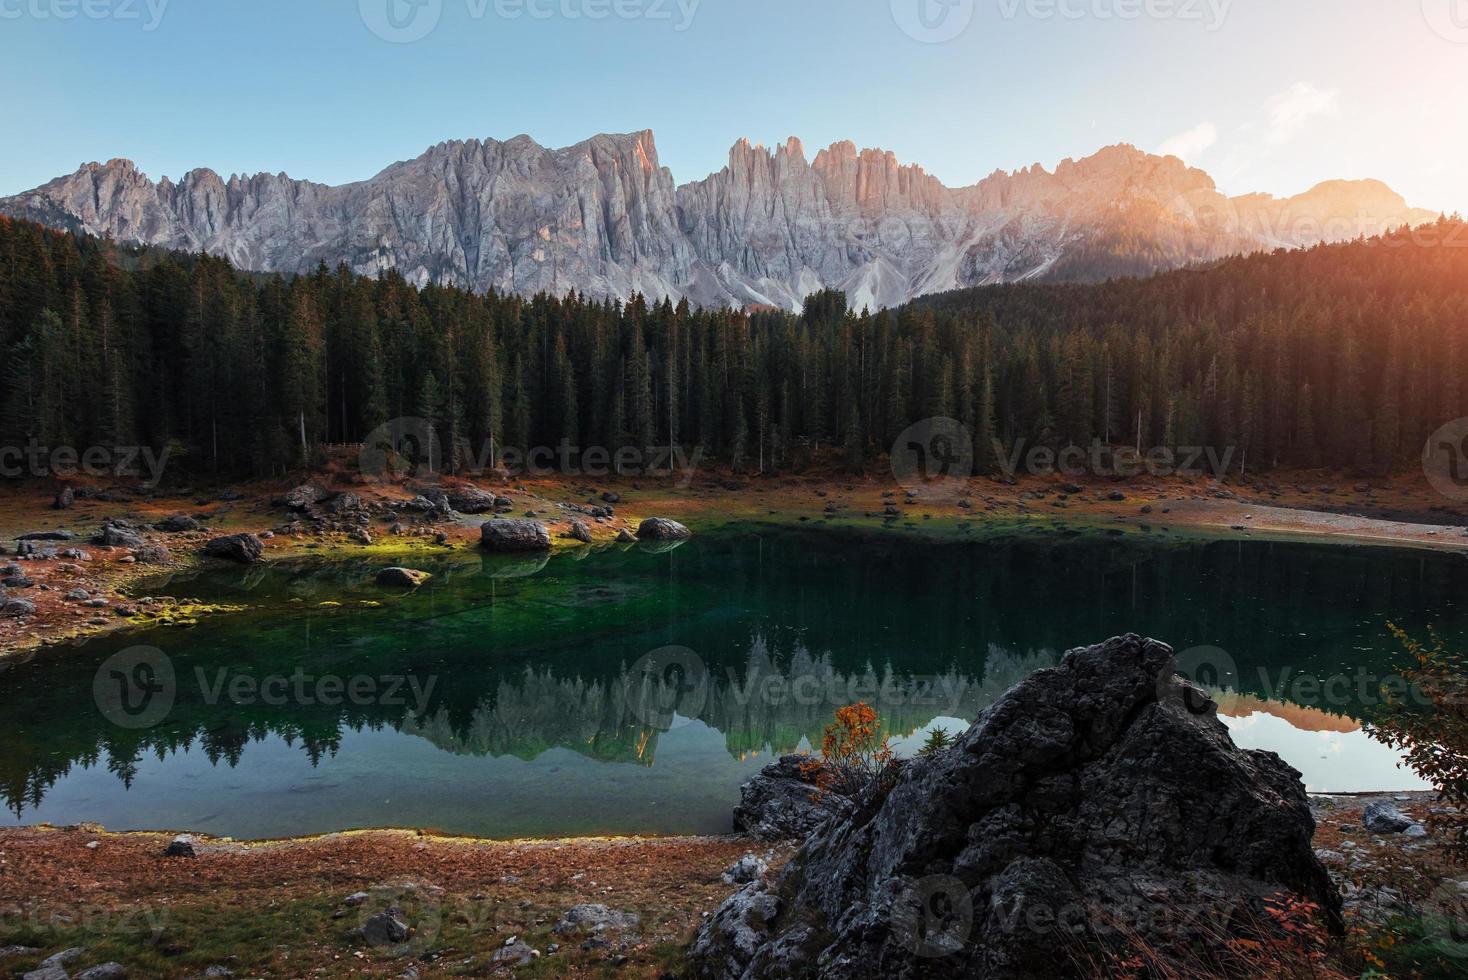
(513, 698)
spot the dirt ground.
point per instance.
(290, 909)
(286, 909)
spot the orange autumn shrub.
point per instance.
(856, 760)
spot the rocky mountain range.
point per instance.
(604, 218)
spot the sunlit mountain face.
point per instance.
(603, 218)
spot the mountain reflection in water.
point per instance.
(554, 696)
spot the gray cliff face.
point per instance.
(605, 219)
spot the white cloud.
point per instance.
(1188, 146)
(1292, 109)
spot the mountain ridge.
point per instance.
(605, 218)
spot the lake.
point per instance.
(631, 690)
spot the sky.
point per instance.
(1266, 95)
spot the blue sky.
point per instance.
(1269, 95)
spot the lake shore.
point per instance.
(1401, 513)
(290, 908)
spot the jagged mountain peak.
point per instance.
(605, 218)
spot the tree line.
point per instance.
(1345, 356)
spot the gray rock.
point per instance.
(662, 529)
(595, 919)
(749, 868)
(64, 957)
(1100, 793)
(302, 497)
(385, 929)
(514, 536)
(344, 503)
(579, 532)
(1383, 818)
(625, 536)
(16, 608)
(48, 536)
(245, 549)
(402, 578)
(46, 973)
(515, 954)
(177, 524)
(117, 536)
(65, 499)
(471, 500)
(106, 971)
(781, 801)
(181, 846)
(8, 951)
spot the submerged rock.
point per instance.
(662, 529)
(246, 549)
(402, 578)
(1099, 802)
(512, 536)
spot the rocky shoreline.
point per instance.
(77, 558)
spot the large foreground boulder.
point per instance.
(1097, 808)
(507, 537)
